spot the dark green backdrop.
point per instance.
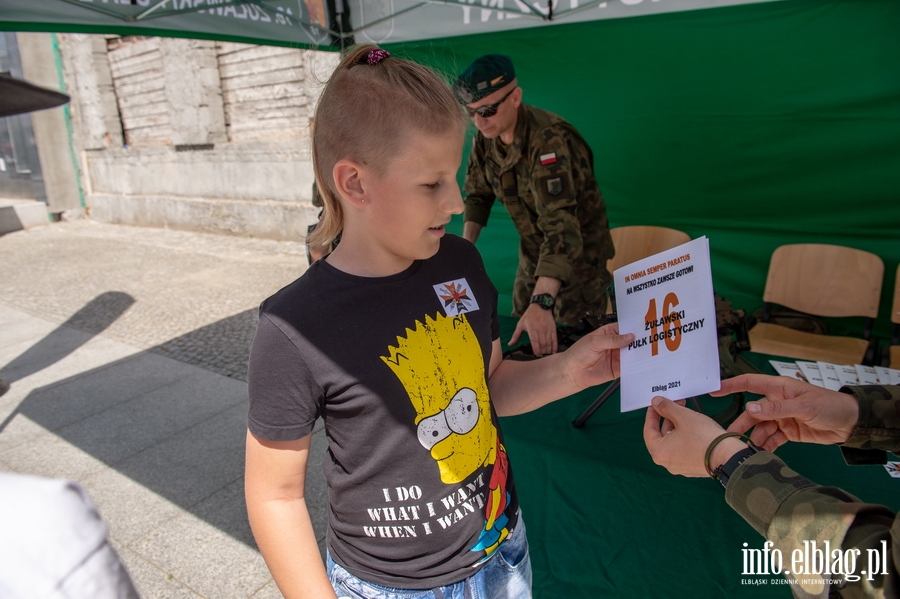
(756, 125)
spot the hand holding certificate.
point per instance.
(667, 302)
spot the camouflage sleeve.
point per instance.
(879, 417)
(556, 193)
(478, 190)
(800, 517)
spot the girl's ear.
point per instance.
(347, 178)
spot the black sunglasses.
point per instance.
(491, 109)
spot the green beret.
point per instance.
(483, 77)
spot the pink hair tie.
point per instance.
(377, 55)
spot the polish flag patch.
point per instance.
(548, 158)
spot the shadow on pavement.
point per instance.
(174, 429)
(95, 317)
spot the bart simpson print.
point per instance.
(441, 366)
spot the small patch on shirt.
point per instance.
(554, 186)
(548, 158)
(456, 297)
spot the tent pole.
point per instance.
(151, 9)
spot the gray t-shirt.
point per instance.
(420, 489)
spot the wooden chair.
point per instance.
(632, 244)
(823, 280)
(637, 242)
(892, 352)
(640, 241)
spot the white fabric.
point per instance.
(53, 543)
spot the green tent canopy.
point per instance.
(321, 23)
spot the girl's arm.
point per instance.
(274, 482)
(519, 387)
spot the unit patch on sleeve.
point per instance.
(554, 186)
(456, 297)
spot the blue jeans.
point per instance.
(506, 575)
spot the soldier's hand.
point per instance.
(792, 411)
(680, 444)
(541, 329)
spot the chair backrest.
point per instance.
(637, 242)
(825, 280)
(895, 309)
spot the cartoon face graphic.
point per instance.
(442, 369)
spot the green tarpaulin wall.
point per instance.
(756, 125)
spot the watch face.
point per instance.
(544, 300)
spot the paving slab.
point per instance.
(95, 352)
(150, 581)
(17, 327)
(226, 511)
(127, 428)
(45, 454)
(86, 394)
(196, 463)
(127, 351)
(203, 558)
(129, 509)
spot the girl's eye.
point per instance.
(432, 186)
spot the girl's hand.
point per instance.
(680, 444)
(594, 359)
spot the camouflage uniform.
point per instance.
(556, 207)
(789, 509)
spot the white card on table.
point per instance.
(811, 372)
(893, 468)
(830, 375)
(788, 369)
(667, 301)
(847, 374)
(887, 376)
(867, 375)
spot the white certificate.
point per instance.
(847, 374)
(788, 369)
(667, 302)
(867, 375)
(830, 375)
(811, 372)
(887, 376)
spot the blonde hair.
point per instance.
(365, 113)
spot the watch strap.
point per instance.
(724, 472)
(544, 300)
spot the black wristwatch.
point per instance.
(724, 472)
(544, 300)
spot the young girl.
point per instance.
(393, 340)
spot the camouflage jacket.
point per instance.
(545, 179)
(793, 512)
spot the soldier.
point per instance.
(543, 172)
(789, 510)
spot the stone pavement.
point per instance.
(126, 349)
